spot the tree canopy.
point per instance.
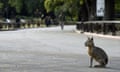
(117, 5)
(69, 7)
(72, 8)
(22, 7)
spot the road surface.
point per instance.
(53, 50)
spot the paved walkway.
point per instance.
(52, 50)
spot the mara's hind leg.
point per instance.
(101, 64)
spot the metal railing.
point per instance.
(99, 26)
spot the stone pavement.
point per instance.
(52, 50)
(40, 62)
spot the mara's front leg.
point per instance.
(91, 62)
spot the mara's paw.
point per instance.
(99, 66)
(90, 66)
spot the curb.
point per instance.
(98, 35)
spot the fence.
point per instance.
(99, 26)
(13, 25)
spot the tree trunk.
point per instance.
(109, 9)
(84, 12)
(92, 12)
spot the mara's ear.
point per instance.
(88, 38)
(92, 38)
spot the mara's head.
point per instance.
(89, 42)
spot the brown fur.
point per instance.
(96, 53)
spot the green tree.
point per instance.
(69, 7)
(1, 5)
(27, 6)
(17, 4)
(117, 5)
